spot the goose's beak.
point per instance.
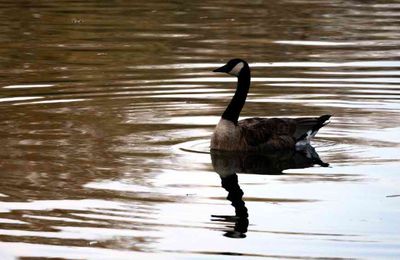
(222, 69)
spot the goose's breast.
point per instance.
(226, 136)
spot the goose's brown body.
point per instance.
(264, 134)
(259, 134)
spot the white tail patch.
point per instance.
(305, 141)
(236, 70)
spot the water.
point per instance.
(106, 110)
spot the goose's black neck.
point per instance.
(235, 106)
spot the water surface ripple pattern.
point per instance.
(107, 107)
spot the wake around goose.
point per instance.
(259, 134)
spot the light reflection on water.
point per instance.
(106, 117)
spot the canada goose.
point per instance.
(259, 134)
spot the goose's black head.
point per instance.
(233, 67)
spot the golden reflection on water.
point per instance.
(106, 109)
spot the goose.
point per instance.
(259, 134)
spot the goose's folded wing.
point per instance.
(257, 131)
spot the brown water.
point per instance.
(107, 107)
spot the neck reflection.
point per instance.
(240, 220)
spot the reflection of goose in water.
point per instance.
(259, 134)
(227, 164)
(264, 163)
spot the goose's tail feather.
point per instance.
(308, 127)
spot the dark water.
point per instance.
(107, 107)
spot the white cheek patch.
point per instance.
(236, 70)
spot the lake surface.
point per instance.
(107, 107)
